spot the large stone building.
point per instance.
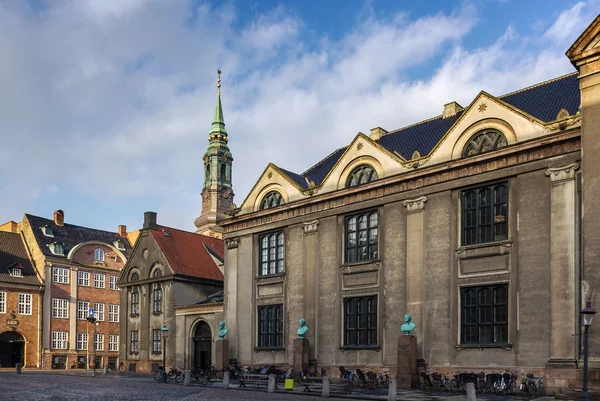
(472, 221)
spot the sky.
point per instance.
(106, 105)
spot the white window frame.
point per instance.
(16, 272)
(60, 340)
(83, 308)
(82, 341)
(99, 280)
(60, 275)
(2, 302)
(99, 311)
(113, 342)
(99, 341)
(112, 283)
(99, 255)
(113, 313)
(24, 304)
(83, 278)
(60, 308)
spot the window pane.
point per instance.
(485, 314)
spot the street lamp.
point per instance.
(165, 333)
(587, 314)
(92, 319)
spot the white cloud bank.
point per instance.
(113, 99)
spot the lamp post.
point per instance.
(92, 319)
(165, 333)
(587, 314)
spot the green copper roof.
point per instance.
(218, 124)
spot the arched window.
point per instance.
(207, 172)
(135, 301)
(99, 255)
(157, 273)
(272, 199)
(361, 175)
(223, 172)
(157, 297)
(484, 141)
(135, 277)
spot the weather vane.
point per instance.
(219, 82)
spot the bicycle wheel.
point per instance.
(179, 377)
(540, 389)
(122, 368)
(454, 386)
(158, 375)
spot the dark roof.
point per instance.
(189, 254)
(213, 298)
(542, 101)
(14, 254)
(71, 235)
(298, 179)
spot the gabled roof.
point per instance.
(319, 171)
(189, 254)
(70, 235)
(297, 178)
(14, 254)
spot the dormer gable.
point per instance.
(47, 230)
(56, 248)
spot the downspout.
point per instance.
(580, 243)
(40, 345)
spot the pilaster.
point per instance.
(310, 282)
(230, 291)
(73, 310)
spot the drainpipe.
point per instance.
(580, 240)
(40, 345)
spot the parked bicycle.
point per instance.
(532, 386)
(113, 368)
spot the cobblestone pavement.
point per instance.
(79, 385)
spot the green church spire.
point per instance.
(218, 125)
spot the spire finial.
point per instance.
(219, 82)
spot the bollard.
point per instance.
(105, 369)
(392, 390)
(471, 396)
(186, 377)
(271, 388)
(325, 388)
(226, 380)
(18, 367)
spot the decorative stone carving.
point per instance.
(564, 123)
(232, 243)
(415, 163)
(415, 204)
(311, 227)
(562, 173)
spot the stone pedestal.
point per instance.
(222, 354)
(407, 375)
(300, 355)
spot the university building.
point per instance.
(482, 222)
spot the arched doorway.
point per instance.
(12, 349)
(202, 346)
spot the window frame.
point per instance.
(60, 275)
(99, 255)
(134, 306)
(99, 341)
(85, 310)
(369, 170)
(272, 199)
(113, 343)
(83, 277)
(134, 341)
(112, 283)
(347, 249)
(270, 255)
(498, 135)
(60, 340)
(156, 341)
(100, 279)
(16, 272)
(99, 311)
(60, 308)
(493, 207)
(113, 310)
(26, 302)
(157, 299)
(270, 331)
(366, 317)
(82, 339)
(2, 301)
(477, 314)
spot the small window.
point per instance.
(60, 308)
(362, 234)
(57, 248)
(271, 253)
(157, 273)
(272, 199)
(47, 230)
(16, 272)
(82, 341)
(113, 313)
(99, 342)
(134, 341)
(113, 343)
(83, 278)
(83, 308)
(485, 214)
(135, 277)
(60, 275)
(2, 302)
(270, 326)
(156, 341)
(99, 255)
(135, 302)
(99, 311)
(60, 339)
(484, 315)
(119, 245)
(484, 141)
(223, 172)
(24, 304)
(360, 321)
(112, 283)
(361, 175)
(207, 172)
(99, 280)
(157, 299)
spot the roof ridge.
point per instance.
(73, 225)
(187, 232)
(537, 85)
(323, 159)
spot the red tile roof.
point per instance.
(189, 254)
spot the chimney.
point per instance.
(59, 217)
(450, 109)
(377, 133)
(122, 230)
(150, 220)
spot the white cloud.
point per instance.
(113, 100)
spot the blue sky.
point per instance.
(107, 103)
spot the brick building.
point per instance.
(20, 304)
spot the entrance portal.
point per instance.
(202, 346)
(12, 349)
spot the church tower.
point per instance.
(217, 195)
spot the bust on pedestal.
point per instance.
(407, 375)
(222, 348)
(300, 352)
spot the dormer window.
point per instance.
(16, 272)
(119, 245)
(484, 141)
(272, 199)
(361, 175)
(57, 248)
(47, 230)
(99, 255)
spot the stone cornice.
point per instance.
(564, 173)
(415, 204)
(311, 227)
(541, 148)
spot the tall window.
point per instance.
(112, 283)
(360, 321)
(113, 343)
(223, 172)
(24, 304)
(60, 339)
(99, 342)
(60, 308)
(133, 341)
(485, 214)
(99, 311)
(82, 341)
(60, 275)
(157, 298)
(83, 308)
(2, 302)
(271, 199)
(83, 278)
(270, 326)
(99, 280)
(361, 175)
(113, 313)
(135, 301)
(156, 341)
(484, 141)
(362, 237)
(484, 317)
(271, 253)
(99, 254)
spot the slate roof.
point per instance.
(13, 253)
(542, 101)
(189, 254)
(296, 177)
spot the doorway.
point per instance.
(202, 346)
(12, 349)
